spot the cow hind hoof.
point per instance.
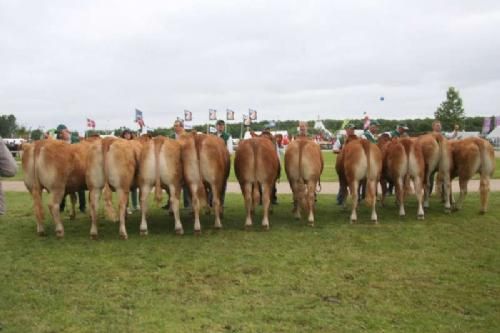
(179, 232)
(353, 221)
(218, 227)
(482, 212)
(375, 221)
(94, 237)
(143, 232)
(265, 228)
(420, 217)
(197, 232)
(123, 236)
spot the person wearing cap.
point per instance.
(63, 134)
(220, 126)
(371, 133)
(400, 131)
(128, 135)
(339, 143)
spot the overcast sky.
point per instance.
(64, 61)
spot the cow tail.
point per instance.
(255, 192)
(36, 190)
(158, 190)
(370, 195)
(107, 193)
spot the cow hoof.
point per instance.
(375, 221)
(447, 210)
(179, 232)
(94, 237)
(197, 232)
(248, 227)
(218, 227)
(310, 223)
(41, 233)
(353, 221)
(123, 236)
(402, 215)
(482, 212)
(265, 228)
(143, 232)
(59, 234)
(420, 217)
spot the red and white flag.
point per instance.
(90, 123)
(212, 114)
(138, 118)
(252, 114)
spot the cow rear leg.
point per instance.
(57, 196)
(143, 193)
(371, 196)
(94, 195)
(417, 184)
(266, 202)
(174, 207)
(400, 196)
(196, 208)
(426, 190)
(484, 190)
(298, 193)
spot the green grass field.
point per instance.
(439, 275)
(329, 174)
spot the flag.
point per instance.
(90, 123)
(212, 114)
(188, 115)
(138, 118)
(229, 114)
(486, 125)
(252, 114)
(366, 123)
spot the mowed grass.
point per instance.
(403, 275)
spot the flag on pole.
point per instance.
(246, 120)
(229, 114)
(188, 115)
(90, 123)
(252, 114)
(486, 125)
(366, 122)
(212, 114)
(138, 118)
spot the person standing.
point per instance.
(400, 131)
(371, 133)
(302, 129)
(63, 134)
(8, 168)
(337, 148)
(220, 127)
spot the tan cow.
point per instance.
(256, 165)
(58, 167)
(303, 167)
(437, 157)
(113, 165)
(161, 167)
(206, 163)
(471, 156)
(360, 159)
(402, 160)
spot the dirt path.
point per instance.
(283, 187)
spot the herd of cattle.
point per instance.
(201, 163)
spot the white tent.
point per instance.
(494, 134)
(318, 124)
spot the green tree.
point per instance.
(8, 125)
(451, 111)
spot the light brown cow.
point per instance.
(256, 165)
(437, 157)
(206, 163)
(161, 167)
(113, 165)
(402, 161)
(360, 159)
(58, 167)
(303, 167)
(471, 156)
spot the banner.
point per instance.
(212, 114)
(252, 114)
(486, 125)
(229, 114)
(90, 123)
(246, 120)
(188, 115)
(138, 118)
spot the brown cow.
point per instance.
(437, 157)
(161, 167)
(360, 159)
(402, 160)
(256, 165)
(206, 163)
(113, 164)
(58, 167)
(471, 156)
(303, 166)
